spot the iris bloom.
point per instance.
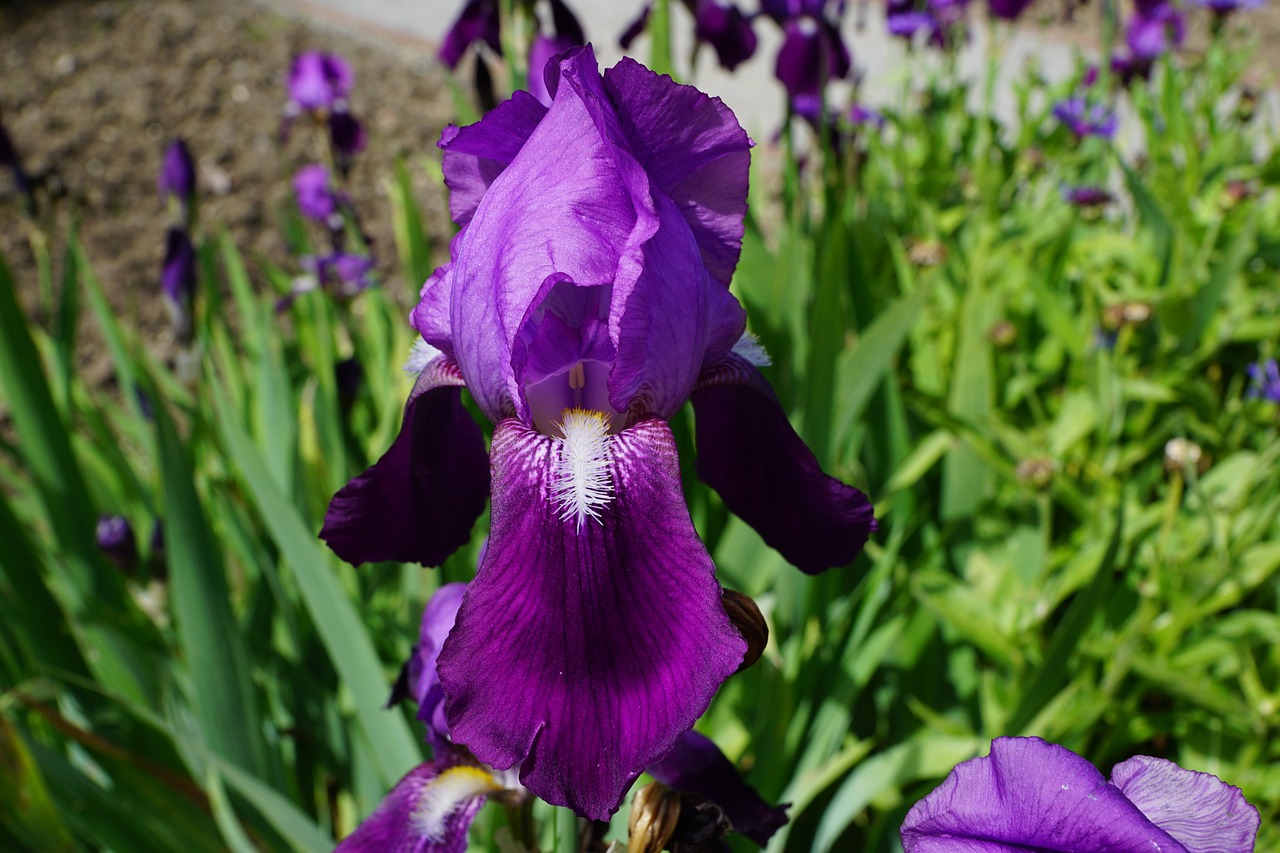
(177, 178)
(1032, 795)
(586, 300)
(1154, 30)
(431, 808)
(317, 198)
(1083, 118)
(1266, 380)
(813, 52)
(721, 25)
(319, 82)
(565, 33)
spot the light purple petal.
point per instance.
(582, 654)
(572, 204)
(476, 154)
(750, 454)
(424, 684)
(396, 825)
(319, 80)
(1030, 796)
(1199, 809)
(694, 150)
(697, 766)
(418, 502)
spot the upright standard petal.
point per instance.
(697, 766)
(585, 646)
(418, 502)
(1030, 795)
(476, 154)
(694, 151)
(1199, 809)
(750, 454)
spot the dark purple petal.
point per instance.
(582, 652)
(566, 23)
(635, 28)
(317, 81)
(415, 817)
(347, 136)
(177, 174)
(727, 30)
(418, 502)
(477, 22)
(116, 540)
(1009, 10)
(343, 273)
(694, 150)
(475, 155)
(1199, 809)
(178, 278)
(1155, 31)
(697, 766)
(750, 454)
(1030, 795)
(802, 64)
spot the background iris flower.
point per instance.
(586, 300)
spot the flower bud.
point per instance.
(1003, 334)
(1179, 453)
(926, 253)
(1036, 472)
(655, 811)
(116, 540)
(750, 622)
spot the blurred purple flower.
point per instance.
(116, 540)
(317, 197)
(1265, 380)
(319, 82)
(1029, 794)
(347, 138)
(1084, 118)
(1155, 31)
(727, 30)
(344, 273)
(566, 33)
(813, 52)
(477, 23)
(1087, 196)
(178, 280)
(177, 178)
(586, 299)
(859, 115)
(1009, 10)
(1223, 8)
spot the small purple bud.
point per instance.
(116, 540)
(177, 178)
(1089, 197)
(347, 136)
(319, 81)
(178, 280)
(1155, 32)
(1086, 119)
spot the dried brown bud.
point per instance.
(655, 811)
(1036, 472)
(1179, 453)
(1247, 106)
(747, 618)
(926, 253)
(1002, 334)
(1120, 314)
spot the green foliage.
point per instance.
(1002, 373)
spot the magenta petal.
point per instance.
(476, 154)
(694, 150)
(583, 655)
(395, 826)
(418, 502)
(1199, 809)
(750, 454)
(1030, 795)
(697, 766)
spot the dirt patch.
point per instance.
(92, 93)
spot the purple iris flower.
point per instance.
(1083, 118)
(177, 178)
(178, 279)
(319, 82)
(813, 52)
(116, 540)
(317, 197)
(860, 115)
(727, 30)
(1266, 380)
(566, 33)
(1223, 8)
(347, 137)
(1032, 795)
(477, 22)
(1087, 196)
(585, 301)
(1155, 31)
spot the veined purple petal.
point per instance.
(418, 502)
(697, 766)
(476, 154)
(1030, 795)
(428, 811)
(477, 22)
(750, 454)
(582, 652)
(1199, 809)
(694, 150)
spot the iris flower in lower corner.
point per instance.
(585, 302)
(1029, 794)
